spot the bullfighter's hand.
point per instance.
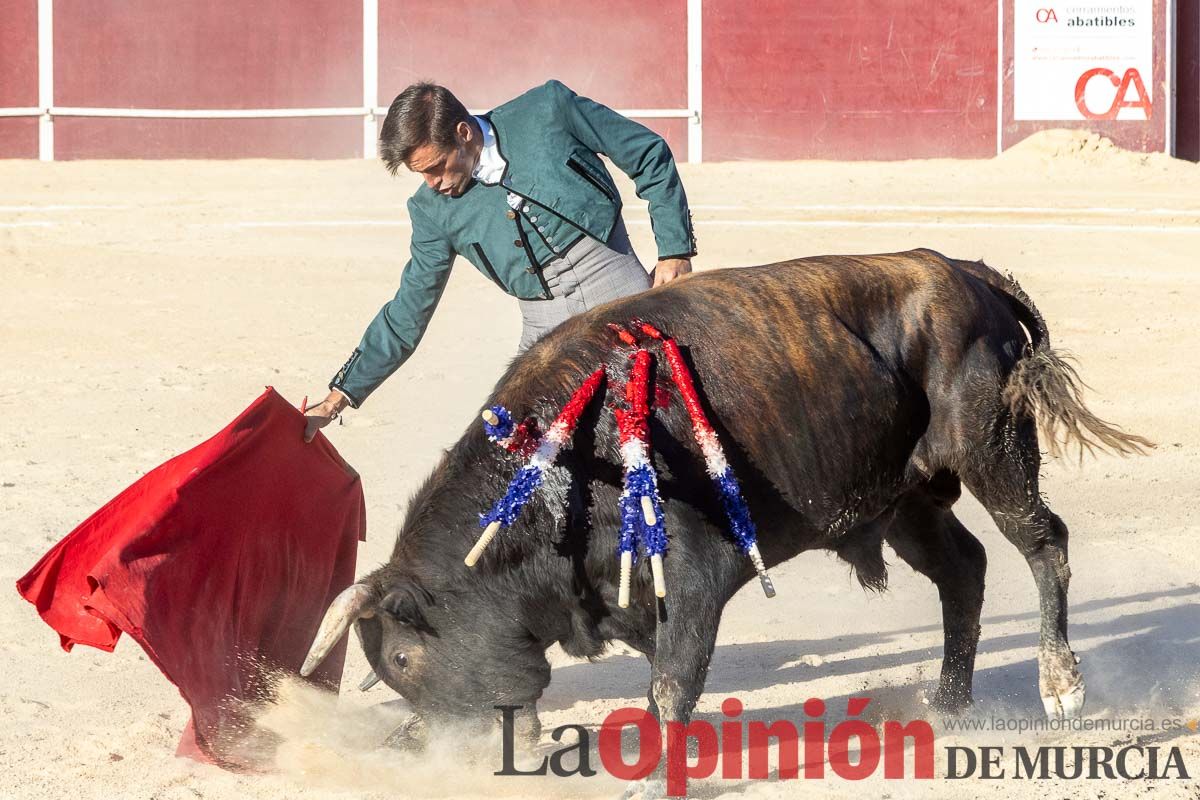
(323, 413)
(668, 269)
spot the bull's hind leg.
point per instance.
(927, 535)
(1003, 476)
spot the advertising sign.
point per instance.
(1089, 61)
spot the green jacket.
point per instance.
(550, 138)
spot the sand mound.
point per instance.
(1062, 147)
(1060, 143)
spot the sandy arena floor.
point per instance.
(145, 304)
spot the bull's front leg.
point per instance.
(686, 636)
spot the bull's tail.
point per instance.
(1045, 385)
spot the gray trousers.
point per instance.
(587, 275)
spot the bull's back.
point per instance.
(814, 370)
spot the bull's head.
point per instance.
(451, 655)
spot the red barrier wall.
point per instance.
(150, 54)
(851, 80)
(18, 77)
(623, 53)
(1187, 75)
(861, 79)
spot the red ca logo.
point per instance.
(1132, 79)
(1046, 15)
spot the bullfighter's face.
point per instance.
(451, 656)
(447, 170)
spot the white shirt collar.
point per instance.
(491, 164)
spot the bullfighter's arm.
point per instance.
(644, 156)
(398, 327)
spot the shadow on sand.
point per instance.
(1149, 661)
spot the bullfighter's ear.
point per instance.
(405, 600)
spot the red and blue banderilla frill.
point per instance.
(640, 504)
(641, 515)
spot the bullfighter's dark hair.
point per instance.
(422, 114)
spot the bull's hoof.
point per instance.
(1060, 684)
(1068, 705)
(950, 703)
(948, 700)
(645, 789)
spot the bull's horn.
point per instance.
(347, 607)
(370, 680)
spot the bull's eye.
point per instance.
(400, 660)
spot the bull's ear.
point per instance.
(405, 601)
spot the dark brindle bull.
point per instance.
(852, 393)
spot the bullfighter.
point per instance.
(521, 193)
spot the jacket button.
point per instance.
(517, 243)
(531, 270)
(510, 214)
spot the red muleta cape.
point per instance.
(220, 563)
